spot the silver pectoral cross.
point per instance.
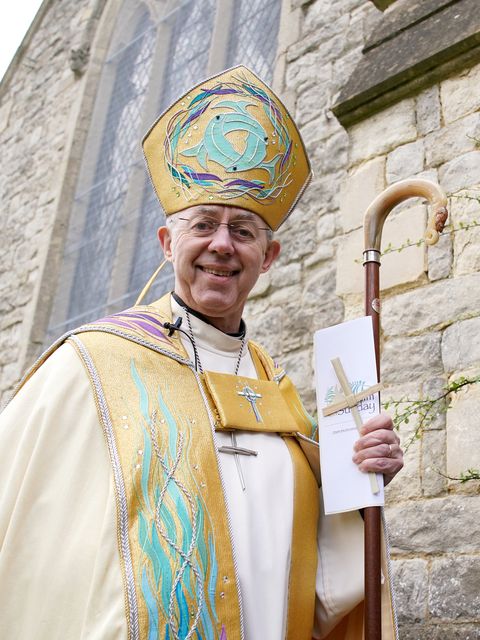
(252, 397)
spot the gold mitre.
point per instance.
(228, 141)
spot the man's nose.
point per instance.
(221, 240)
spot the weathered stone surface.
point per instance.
(410, 579)
(440, 631)
(307, 71)
(266, 327)
(407, 485)
(419, 526)
(466, 238)
(411, 54)
(412, 357)
(461, 345)
(405, 266)
(452, 140)
(461, 173)
(284, 276)
(436, 305)
(463, 436)
(455, 588)
(311, 103)
(297, 239)
(439, 258)
(460, 95)
(428, 110)
(405, 161)
(383, 132)
(298, 366)
(433, 463)
(262, 286)
(358, 191)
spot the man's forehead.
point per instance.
(219, 211)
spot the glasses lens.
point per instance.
(240, 230)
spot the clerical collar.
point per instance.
(200, 316)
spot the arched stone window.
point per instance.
(158, 49)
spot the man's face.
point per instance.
(215, 273)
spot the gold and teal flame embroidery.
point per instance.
(178, 570)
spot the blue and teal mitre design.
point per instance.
(228, 141)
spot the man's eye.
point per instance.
(243, 232)
(203, 226)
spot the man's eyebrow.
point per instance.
(207, 211)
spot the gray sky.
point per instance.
(15, 18)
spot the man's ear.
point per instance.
(165, 239)
(271, 254)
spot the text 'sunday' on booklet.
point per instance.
(344, 487)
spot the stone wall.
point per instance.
(38, 103)
(430, 299)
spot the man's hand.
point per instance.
(378, 448)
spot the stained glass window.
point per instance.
(111, 247)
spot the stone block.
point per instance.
(433, 306)
(296, 327)
(297, 238)
(460, 95)
(261, 287)
(287, 275)
(359, 190)
(433, 463)
(466, 240)
(316, 14)
(311, 103)
(319, 284)
(5, 111)
(266, 327)
(461, 345)
(428, 110)
(414, 357)
(383, 132)
(405, 161)
(407, 485)
(453, 140)
(463, 434)
(410, 580)
(461, 173)
(327, 313)
(322, 193)
(405, 266)
(324, 127)
(440, 631)
(308, 70)
(334, 154)
(298, 366)
(435, 526)
(326, 226)
(324, 252)
(455, 588)
(439, 258)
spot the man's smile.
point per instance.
(218, 272)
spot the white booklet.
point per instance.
(344, 487)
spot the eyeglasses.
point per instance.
(245, 231)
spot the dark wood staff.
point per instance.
(374, 219)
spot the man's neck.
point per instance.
(235, 334)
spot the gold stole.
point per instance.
(173, 529)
